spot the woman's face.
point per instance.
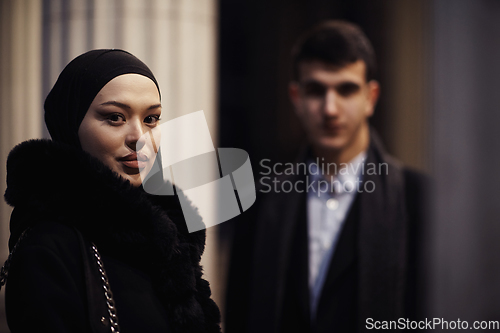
(113, 128)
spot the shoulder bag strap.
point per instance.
(100, 302)
(4, 272)
(101, 305)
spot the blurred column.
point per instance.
(406, 53)
(20, 77)
(20, 93)
(464, 248)
(176, 39)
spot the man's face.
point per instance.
(334, 105)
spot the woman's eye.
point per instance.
(115, 118)
(152, 119)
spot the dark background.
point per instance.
(255, 42)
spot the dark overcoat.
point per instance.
(372, 273)
(152, 262)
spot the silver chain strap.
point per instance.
(4, 272)
(113, 318)
(110, 302)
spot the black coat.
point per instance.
(152, 262)
(371, 275)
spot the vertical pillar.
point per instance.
(20, 75)
(20, 94)
(407, 51)
(463, 253)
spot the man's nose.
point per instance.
(331, 100)
(135, 138)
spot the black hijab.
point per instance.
(78, 84)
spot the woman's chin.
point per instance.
(133, 175)
(136, 181)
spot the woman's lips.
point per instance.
(135, 164)
(135, 160)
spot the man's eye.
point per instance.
(314, 90)
(348, 89)
(152, 119)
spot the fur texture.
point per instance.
(47, 180)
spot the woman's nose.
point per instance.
(135, 138)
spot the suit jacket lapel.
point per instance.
(299, 260)
(345, 253)
(382, 239)
(274, 238)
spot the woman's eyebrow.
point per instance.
(156, 106)
(125, 106)
(118, 104)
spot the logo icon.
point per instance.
(216, 184)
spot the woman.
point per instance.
(82, 189)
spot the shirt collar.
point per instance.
(346, 173)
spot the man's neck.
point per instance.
(342, 157)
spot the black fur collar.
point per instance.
(50, 180)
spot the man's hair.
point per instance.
(338, 43)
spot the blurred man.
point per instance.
(330, 244)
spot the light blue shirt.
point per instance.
(327, 209)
